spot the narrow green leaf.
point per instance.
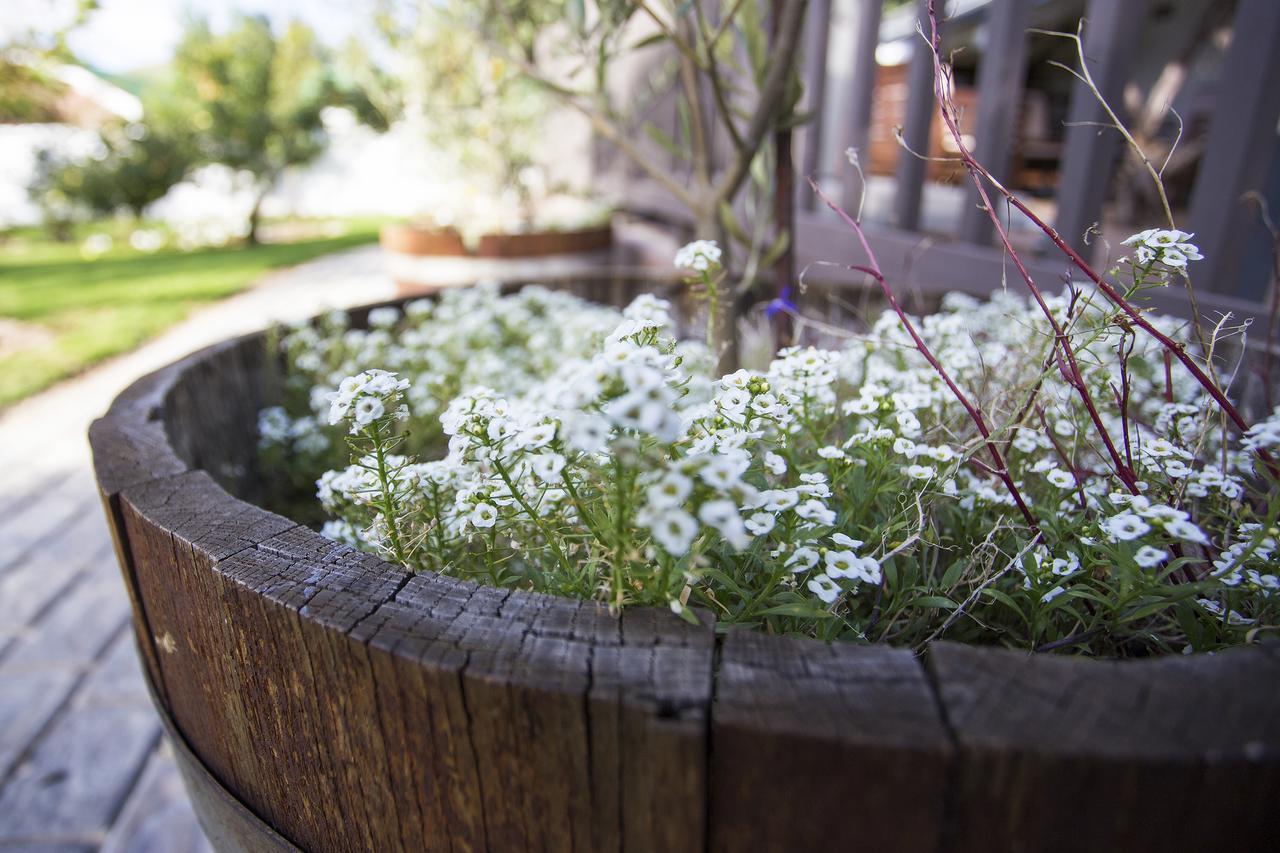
(777, 250)
(649, 41)
(953, 573)
(660, 136)
(809, 611)
(730, 222)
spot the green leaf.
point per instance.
(1149, 609)
(808, 611)
(649, 41)
(660, 136)
(687, 614)
(777, 250)
(751, 25)
(953, 573)
(1004, 599)
(935, 601)
(729, 220)
(761, 173)
(686, 130)
(723, 579)
(796, 119)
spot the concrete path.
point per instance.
(82, 764)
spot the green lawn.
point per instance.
(71, 312)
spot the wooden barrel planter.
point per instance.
(327, 700)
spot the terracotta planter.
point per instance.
(411, 240)
(415, 240)
(328, 698)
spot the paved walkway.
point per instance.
(82, 763)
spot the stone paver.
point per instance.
(82, 764)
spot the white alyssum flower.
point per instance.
(1060, 478)
(1125, 526)
(1166, 246)
(1186, 530)
(1148, 557)
(545, 426)
(722, 515)
(825, 588)
(674, 530)
(484, 515)
(845, 541)
(846, 564)
(802, 559)
(920, 472)
(547, 466)
(816, 511)
(699, 256)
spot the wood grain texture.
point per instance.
(350, 705)
(1063, 753)
(818, 743)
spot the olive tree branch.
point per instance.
(771, 94)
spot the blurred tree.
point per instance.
(731, 70)
(134, 165)
(254, 101)
(28, 92)
(477, 105)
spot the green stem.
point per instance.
(387, 502)
(532, 513)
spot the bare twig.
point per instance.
(973, 596)
(771, 95)
(1069, 366)
(1109, 290)
(1000, 469)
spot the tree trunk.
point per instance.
(255, 214)
(784, 216)
(724, 340)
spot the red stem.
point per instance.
(976, 169)
(1071, 368)
(1001, 469)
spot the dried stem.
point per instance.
(1157, 177)
(977, 170)
(999, 468)
(1069, 367)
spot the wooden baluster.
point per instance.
(809, 137)
(1240, 149)
(916, 129)
(861, 85)
(1001, 74)
(1111, 35)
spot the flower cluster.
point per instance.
(368, 397)
(562, 446)
(698, 256)
(1168, 247)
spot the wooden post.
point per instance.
(784, 210)
(816, 38)
(916, 129)
(1111, 38)
(1240, 146)
(861, 85)
(1001, 73)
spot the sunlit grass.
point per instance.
(77, 312)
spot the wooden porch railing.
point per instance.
(1241, 153)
